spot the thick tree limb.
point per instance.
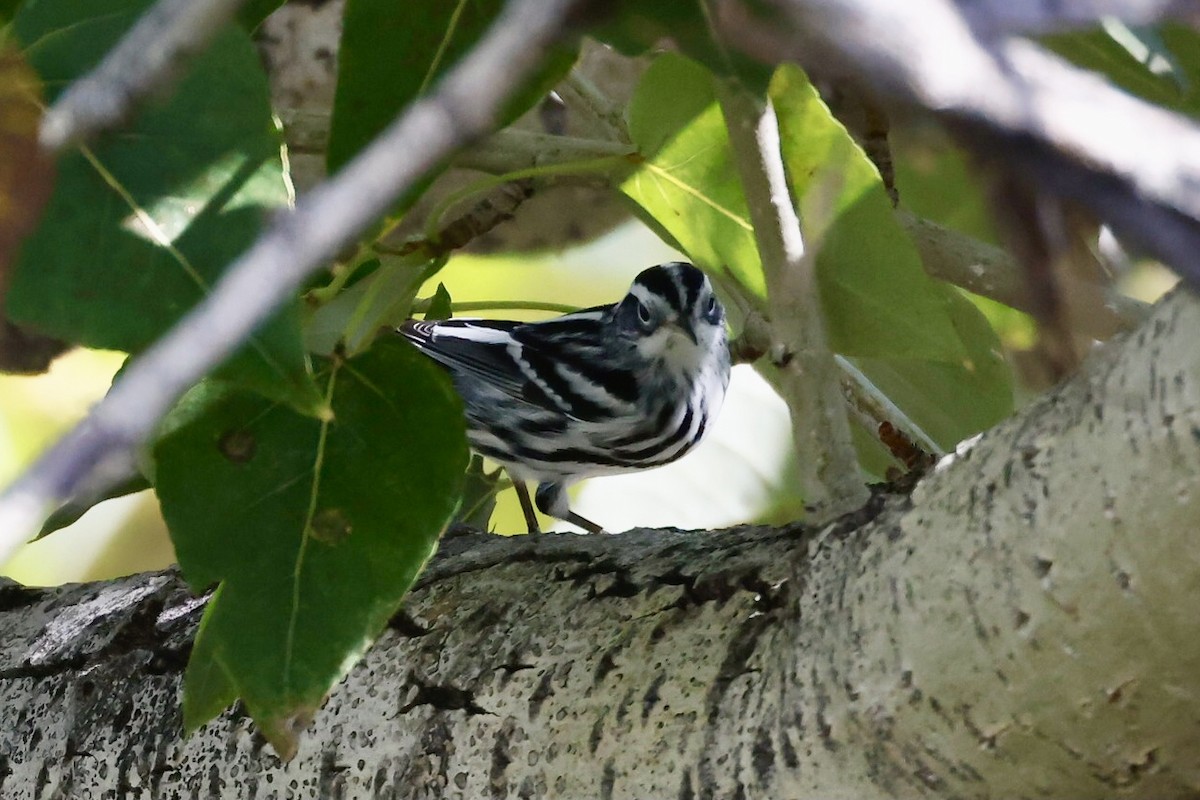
(463, 108)
(1020, 626)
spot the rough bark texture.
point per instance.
(1022, 625)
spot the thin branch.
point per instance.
(864, 400)
(151, 56)
(511, 150)
(991, 272)
(874, 409)
(464, 107)
(604, 166)
(830, 478)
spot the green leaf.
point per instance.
(8, 8)
(950, 400)
(1183, 43)
(391, 54)
(1161, 68)
(440, 305)
(253, 12)
(687, 185)
(314, 529)
(70, 511)
(479, 495)
(937, 181)
(352, 319)
(637, 28)
(209, 689)
(140, 226)
(877, 299)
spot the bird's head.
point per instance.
(672, 317)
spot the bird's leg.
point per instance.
(526, 505)
(552, 500)
(584, 523)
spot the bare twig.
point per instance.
(864, 400)
(991, 272)
(1135, 165)
(511, 150)
(152, 55)
(874, 409)
(829, 473)
(463, 108)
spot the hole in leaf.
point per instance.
(330, 526)
(238, 446)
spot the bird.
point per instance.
(605, 390)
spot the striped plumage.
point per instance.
(605, 390)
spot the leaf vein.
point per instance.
(298, 567)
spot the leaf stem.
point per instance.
(451, 26)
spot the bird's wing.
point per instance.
(569, 359)
(550, 364)
(475, 348)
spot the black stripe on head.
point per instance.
(661, 281)
(692, 281)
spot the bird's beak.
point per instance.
(678, 327)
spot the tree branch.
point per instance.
(1013, 628)
(1135, 165)
(994, 17)
(151, 56)
(830, 479)
(991, 272)
(875, 410)
(512, 150)
(463, 108)
(905, 439)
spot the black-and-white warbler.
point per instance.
(605, 390)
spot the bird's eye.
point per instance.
(712, 311)
(643, 313)
(712, 306)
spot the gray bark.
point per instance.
(1022, 625)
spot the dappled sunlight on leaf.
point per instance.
(688, 186)
(877, 299)
(142, 223)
